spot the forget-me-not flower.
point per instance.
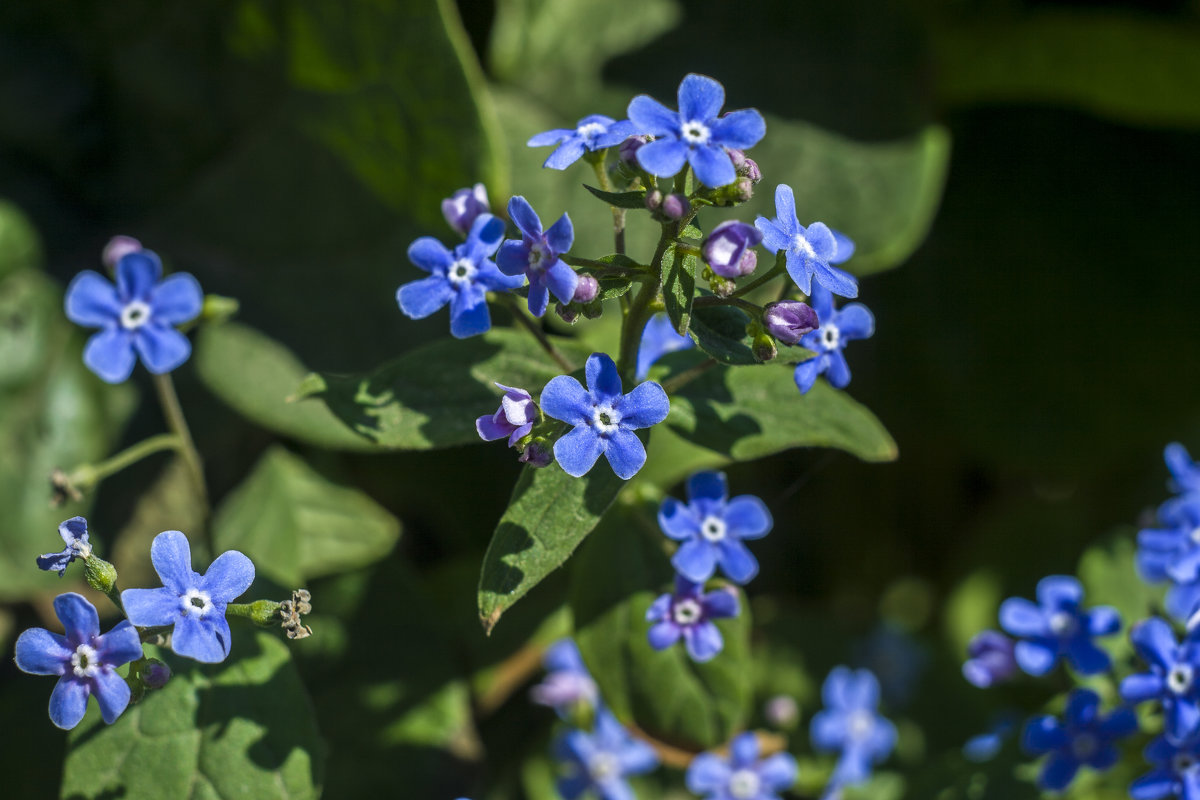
(687, 614)
(536, 256)
(694, 134)
(600, 760)
(1083, 737)
(711, 529)
(460, 277)
(1057, 627)
(593, 133)
(991, 659)
(1176, 773)
(193, 603)
(84, 659)
(1185, 473)
(1171, 552)
(659, 337)
(812, 251)
(567, 684)
(1171, 679)
(74, 534)
(851, 726)
(514, 419)
(136, 316)
(462, 208)
(604, 418)
(838, 326)
(729, 248)
(743, 776)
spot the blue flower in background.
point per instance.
(604, 418)
(74, 534)
(1058, 627)
(595, 132)
(851, 726)
(462, 208)
(135, 316)
(1177, 772)
(694, 134)
(460, 277)
(1083, 738)
(991, 659)
(600, 760)
(536, 256)
(1172, 678)
(987, 746)
(568, 684)
(812, 251)
(851, 322)
(688, 614)
(711, 529)
(1172, 551)
(742, 776)
(1185, 473)
(193, 603)
(84, 660)
(659, 338)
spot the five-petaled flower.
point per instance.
(74, 534)
(193, 603)
(851, 725)
(743, 776)
(811, 251)
(1172, 678)
(84, 659)
(135, 316)
(568, 684)
(600, 760)
(1082, 737)
(1176, 773)
(1058, 627)
(991, 659)
(513, 419)
(838, 326)
(460, 277)
(536, 256)
(604, 418)
(462, 208)
(593, 133)
(711, 529)
(687, 614)
(694, 134)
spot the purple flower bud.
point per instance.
(537, 454)
(586, 290)
(782, 711)
(789, 320)
(675, 206)
(513, 419)
(118, 247)
(749, 169)
(155, 674)
(627, 152)
(727, 245)
(461, 208)
(654, 200)
(566, 313)
(738, 157)
(991, 659)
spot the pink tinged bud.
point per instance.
(536, 454)
(514, 419)
(586, 290)
(738, 157)
(117, 248)
(155, 674)
(627, 152)
(675, 206)
(782, 711)
(654, 200)
(461, 208)
(726, 248)
(789, 320)
(566, 313)
(749, 169)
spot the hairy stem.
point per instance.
(618, 214)
(178, 425)
(85, 476)
(536, 331)
(775, 271)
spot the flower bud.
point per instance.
(721, 287)
(991, 659)
(537, 454)
(749, 170)
(461, 208)
(782, 711)
(675, 206)
(627, 151)
(727, 245)
(654, 200)
(514, 419)
(789, 320)
(100, 575)
(155, 674)
(117, 248)
(737, 156)
(586, 290)
(743, 190)
(568, 314)
(764, 348)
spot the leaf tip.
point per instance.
(490, 620)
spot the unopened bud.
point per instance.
(789, 320)
(627, 152)
(729, 249)
(117, 248)
(218, 308)
(764, 348)
(537, 454)
(586, 290)
(155, 674)
(567, 313)
(749, 169)
(461, 208)
(654, 200)
(100, 575)
(675, 206)
(782, 711)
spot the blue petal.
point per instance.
(148, 608)
(429, 254)
(136, 275)
(514, 257)
(1155, 642)
(112, 693)
(1035, 658)
(1058, 772)
(736, 560)
(821, 240)
(1056, 591)
(603, 380)
(577, 451)
(636, 758)
(659, 338)
(747, 517)
(421, 298)
(707, 773)
(1182, 719)
(539, 298)
(469, 314)
(120, 645)
(547, 138)
(801, 268)
(489, 275)
(625, 453)
(1082, 705)
(646, 405)
(707, 486)
(721, 603)
(855, 321)
(1141, 687)
(663, 635)
(828, 730)
(162, 349)
(73, 530)
(862, 690)
(774, 237)
(525, 218)
(807, 372)
(712, 165)
(785, 211)
(228, 577)
(1043, 734)
(78, 617)
(778, 772)
(822, 303)
(1020, 617)
(677, 521)
(663, 157)
(177, 299)
(743, 750)
(40, 652)
(56, 562)
(1103, 621)
(562, 280)
(564, 655)
(651, 117)
(700, 98)
(741, 129)
(659, 609)
(616, 133)
(561, 235)
(1154, 785)
(1182, 600)
(205, 639)
(703, 641)
(110, 355)
(845, 248)
(853, 768)
(563, 398)
(838, 281)
(837, 370)
(565, 154)
(695, 560)
(172, 558)
(68, 701)
(91, 300)
(486, 234)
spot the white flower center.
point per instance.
(539, 255)
(695, 132)
(195, 603)
(461, 272)
(860, 724)
(1084, 746)
(713, 528)
(84, 661)
(801, 246)
(831, 336)
(134, 315)
(605, 418)
(590, 131)
(744, 784)
(1179, 679)
(687, 612)
(603, 766)
(1062, 623)
(81, 549)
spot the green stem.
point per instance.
(771, 274)
(178, 425)
(618, 214)
(638, 312)
(677, 382)
(85, 476)
(537, 333)
(605, 266)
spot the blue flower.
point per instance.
(729, 248)
(514, 419)
(135, 316)
(84, 660)
(193, 603)
(1177, 773)
(568, 684)
(1058, 628)
(743, 776)
(74, 534)
(604, 419)
(812, 251)
(851, 322)
(658, 339)
(536, 256)
(711, 529)
(462, 208)
(460, 277)
(991, 659)
(593, 133)
(600, 760)
(1171, 552)
(1185, 473)
(694, 134)
(851, 726)
(986, 746)
(688, 614)
(1084, 737)
(1172, 678)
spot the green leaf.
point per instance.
(750, 412)
(20, 247)
(614, 581)
(679, 285)
(1109, 577)
(720, 331)
(548, 516)
(620, 199)
(296, 525)
(431, 396)
(244, 728)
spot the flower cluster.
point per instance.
(1169, 552)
